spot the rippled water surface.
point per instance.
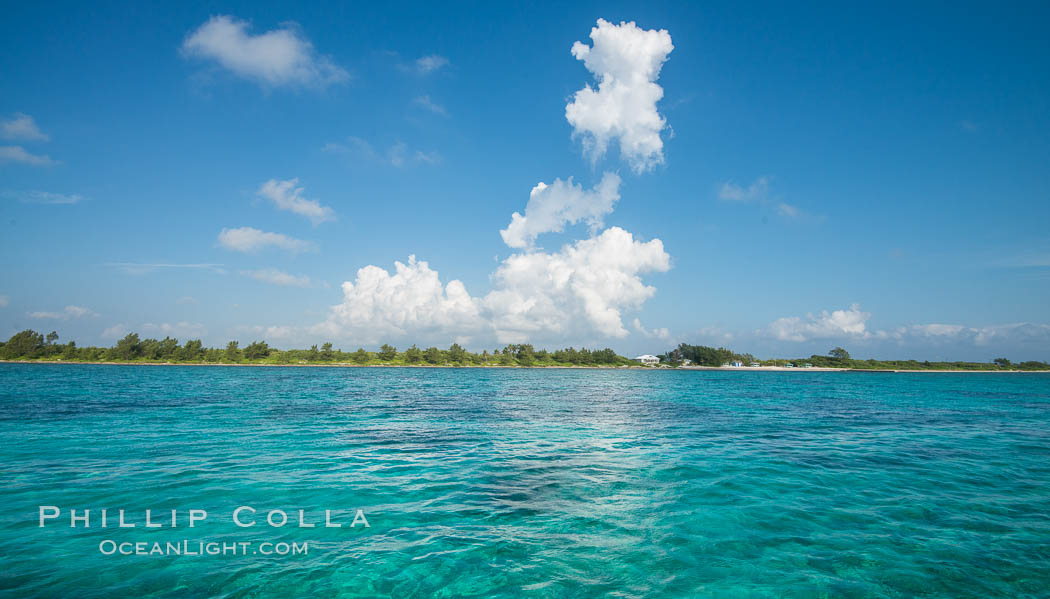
(531, 483)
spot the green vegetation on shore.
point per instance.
(34, 346)
(702, 355)
(31, 345)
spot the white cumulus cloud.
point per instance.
(249, 239)
(379, 305)
(277, 277)
(21, 126)
(578, 292)
(581, 292)
(553, 206)
(278, 57)
(286, 196)
(626, 61)
(581, 289)
(851, 322)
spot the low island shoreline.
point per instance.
(662, 368)
(32, 347)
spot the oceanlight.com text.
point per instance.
(187, 547)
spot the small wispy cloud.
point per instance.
(140, 268)
(426, 65)
(280, 332)
(1020, 334)
(401, 155)
(115, 332)
(68, 313)
(280, 57)
(397, 155)
(43, 197)
(426, 103)
(286, 196)
(756, 192)
(178, 330)
(183, 329)
(759, 193)
(249, 240)
(4, 301)
(21, 126)
(277, 277)
(22, 156)
(661, 333)
(1028, 259)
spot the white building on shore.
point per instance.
(648, 360)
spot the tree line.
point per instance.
(702, 355)
(31, 345)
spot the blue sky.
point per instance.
(876, 177)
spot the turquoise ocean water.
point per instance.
(529, 483)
